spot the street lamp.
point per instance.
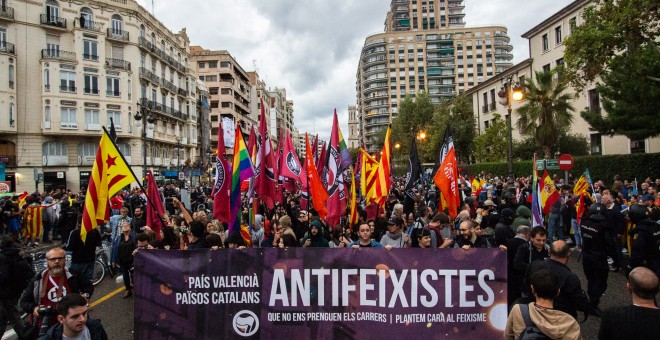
(178, 161)
(421, 135)
(144, 111)
(509, 91)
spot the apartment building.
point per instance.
(425, 47)
(547, 52)
(68, 67)
(229, 89)
(281, 111)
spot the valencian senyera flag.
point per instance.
(109, 175)
(242, 169)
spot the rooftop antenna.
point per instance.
(254, 63)
(153, 11)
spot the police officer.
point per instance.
(646, 240)
(595, 249)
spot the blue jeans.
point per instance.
(85, 270)
(577, 232)
(554, 225)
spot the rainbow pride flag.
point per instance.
(242, 169)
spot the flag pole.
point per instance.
(133, 173)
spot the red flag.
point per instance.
(222, 185)
(446, 178)
(290, 164)
(155, 207)
(279, 189)
(320, 164)
(315, 187)
(333, 178)
(252, 144)
(315, 149)
(357, 171)
(549, 193)
(265, 178)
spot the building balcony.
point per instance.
(144, 44)
(456, 14)
(53, 22)
(117, 64)
(456, 4)
(370, 62)
(168, 85)
(117, 35)
(503, 45)
(58, 55)
(7, 48)
(503, 36)
(90, 25)
(401, 9)
(456, 23)
(7, 13)
(182, 92)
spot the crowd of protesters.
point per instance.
(621, 220)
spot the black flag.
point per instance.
(113, 132)
(414, 166)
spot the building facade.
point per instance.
(72, 66)
(425, 47)
(547, 52)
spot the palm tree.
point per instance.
(547, 110)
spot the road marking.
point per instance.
(109, 295)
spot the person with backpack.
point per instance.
(15, 273)
(539, 319)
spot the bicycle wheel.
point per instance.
(99, 272)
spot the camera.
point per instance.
(46, 312)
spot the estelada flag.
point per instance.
(222, 183)
(109, 175)
(316, 189)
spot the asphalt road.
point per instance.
(116, 314)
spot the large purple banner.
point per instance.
(301, 293)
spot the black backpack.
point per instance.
(531, 332)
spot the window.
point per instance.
(545, 43)
(52, 11)
(142, 31)
(117, 24)
(558, 35)
(86, 18)
(596, 143)
(68, 118)
(67, 81)
(92, 121)
(11, 76)
(485, 106)
(90, 50)
(213, 64)
(115, 117)
(54, 149)
(130, 90)
(637, 146)
(91, 84)
(112, 87)
(46, 80)
(212, 78)
(572, 23)
(546, 68)
(47, 117)
(224, 64)
(12, 112)
(213, 90)
(125, 149)
(594, 100)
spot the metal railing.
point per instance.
(6, 47)
(90, 25)
(91, 90)
(111, 93)
(65, 88)
(53, 21)
(92, 57)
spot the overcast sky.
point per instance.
(312, 47)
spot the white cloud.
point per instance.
(312, 47)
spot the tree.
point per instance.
(616, 48)
(546, 111)
(463, 126)
(491, 146)
(574, 145)
(414, 115)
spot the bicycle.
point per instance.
(102, 264)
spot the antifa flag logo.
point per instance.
(330, 172)
(246, 323)
(292, 164)
(409, 174)
(220, 176)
